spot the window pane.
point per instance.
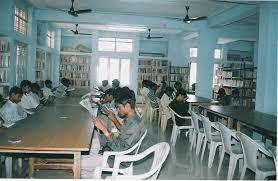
(217, 53)
(107, 39)
(124, 40)
(106, 46)
(123, 47)
(193, 52)
(125, 72)
(114, 69)
(193, 71)
(102, 69)
(215, 74)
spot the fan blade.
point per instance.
(84, 34)
(198, 18)
(72, 31)
(236, 2)
(156, 37)
(72, 13)
(83, 11)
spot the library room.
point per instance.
(138, 89)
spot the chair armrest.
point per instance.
(107, 154)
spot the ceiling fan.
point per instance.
(152, 37)
(77, 33)
(188, 20)
(75, 13)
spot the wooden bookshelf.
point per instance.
(180, 74)
(4, 65)
(76, 68)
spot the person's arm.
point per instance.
(113, 118)
(98, 123)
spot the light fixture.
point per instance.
(126, 28)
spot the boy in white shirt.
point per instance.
(11, 112)
(166, 99)
(28, 102)
(47, 90)
(61, 90)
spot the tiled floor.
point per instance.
(181, 163)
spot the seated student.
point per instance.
(115, 84)
(161, 90)
(153, 99)
(126, 90)
(177, 86)
(222, 98)
(28, 102)
(104, 86)
(180, 106)
(235, 100)
(145, 90)
(36, 92)
(47, 90)
(61, 90)
(108, 100)
(11, 112)
(166, 99)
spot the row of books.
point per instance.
(4, 46)
(80, 83)
(179, 70)
(183, 79)
(153, 62)
(4, 60)
(231, 82)
(74, 75)
(75, 59)
(4, 75)
(237, 57)
(40, 65)
(74, 67)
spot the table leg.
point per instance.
(77, 165)
(31, 167)
(229, 122)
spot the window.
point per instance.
(193, 71)
(113, 68)
(20, 21)
(115, 44)
(21, 59)
(217, 53)
(215, 68)
(193, 52)
(50, 39)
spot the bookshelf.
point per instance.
(180, 74)
(240, 75)
(4, 65)
(40, 66)
(76, 67)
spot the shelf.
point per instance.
(75, 53)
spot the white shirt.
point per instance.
(47, 92)
(165, 101)
(11, 113)
(28, 101)
(104, 88)
(60, 91)
(144, 91)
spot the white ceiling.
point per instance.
(154, 8)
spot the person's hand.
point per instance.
(109, 114)
(98, 123)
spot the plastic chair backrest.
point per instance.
(207, 127)
(160, 150)
(173, 116)
(226, 135)
(195, 120)
(138, 144)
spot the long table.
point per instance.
(56, 129)
(196, 100)
(261, 122)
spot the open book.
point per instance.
(86, 103)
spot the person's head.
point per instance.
(181, 95)
(115, 83)
(15, 94)
(109, 95)
(104, 83)
(235, 92)
(221, 92)
(146, 83)
(65, 82)
(178, 85)
(35, 88)
(193, 87)
(125, 105)
(163, 84)
(169, 91)
(25, 85)
(153, 86)
(117, 92)
(48, 84)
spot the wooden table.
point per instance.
(261, 122)
(196, 100)
(55, 129)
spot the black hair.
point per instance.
(109, 92)
(126, 99)
(181, 92)
(177, 84)
(35, 88)
(169, 89)
(221, 92)
(235, 92)
(25, 83)
(15, 90)
(47, 82)
(66, 82)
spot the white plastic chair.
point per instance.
(263, 167)
(162, 116)
(214, 140)
(235, 151)
(197, 133)
(176, 129)
(150, 110)
(160, 150)
(104, 164)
